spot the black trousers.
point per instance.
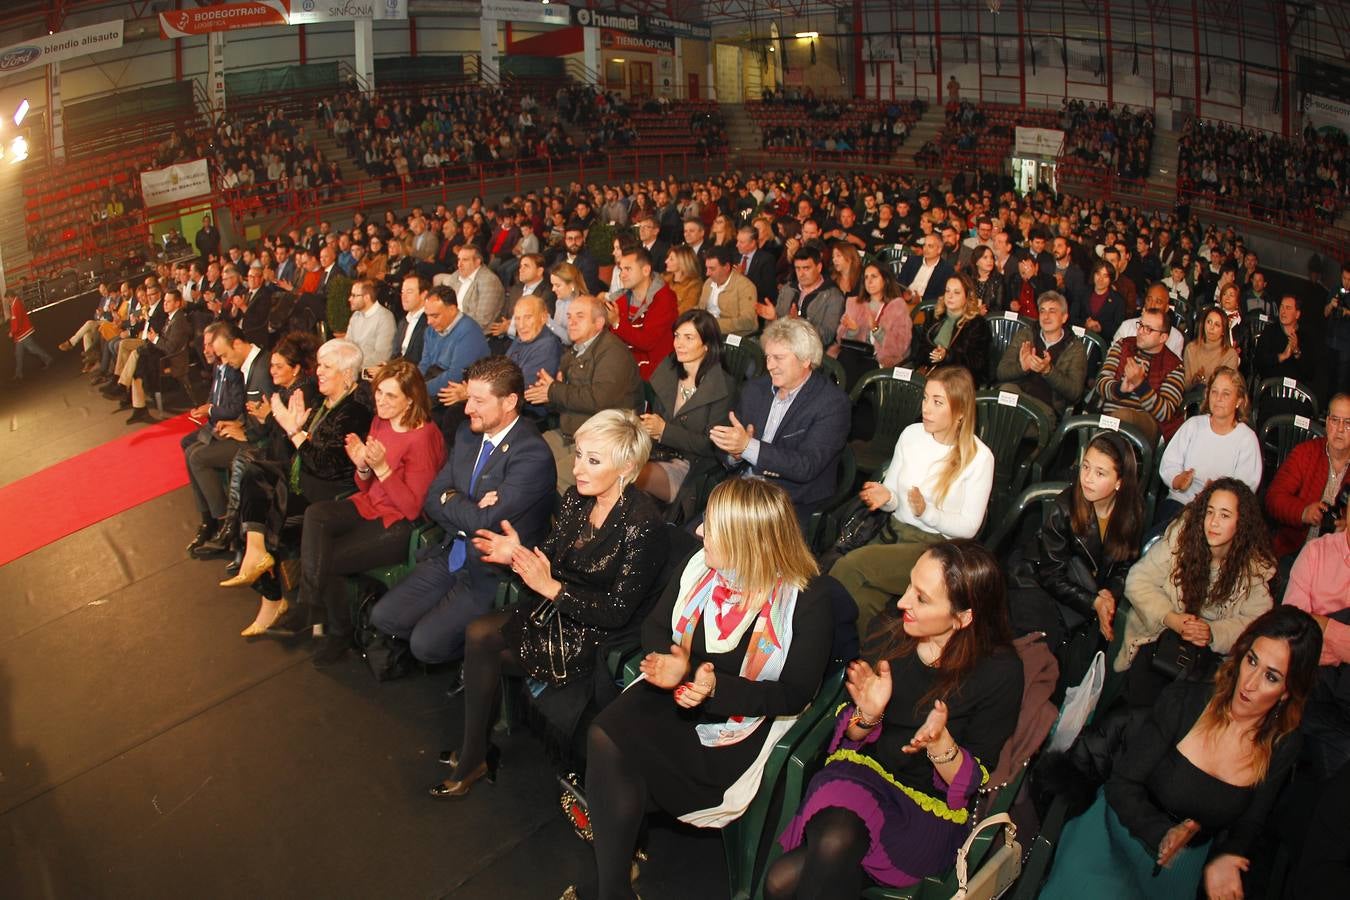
(335, 541)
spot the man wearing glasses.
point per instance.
(371, 326)
(1141, 381)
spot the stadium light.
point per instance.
(21, 113)
(806, 35)
(18, 150)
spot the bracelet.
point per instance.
(945, 757)
(364, 471)
(857, 719)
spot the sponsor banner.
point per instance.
(618, 40)
(523, 11)
(176, 184)
(594, 18)
(50, 48)
(226, 17)
(308, 12)
(674, 28)
(1323, 112)
(1038, 142)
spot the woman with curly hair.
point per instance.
(1191, 787)
(1196, 589)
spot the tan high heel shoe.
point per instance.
(258, 628)
(249, 574)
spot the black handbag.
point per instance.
(859, 526)
(388, 657)
(1175, 658)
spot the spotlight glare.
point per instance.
(807, 34)
(18, 150)
(21, 113)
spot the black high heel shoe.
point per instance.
(453, 790)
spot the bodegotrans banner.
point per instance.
(226, 17)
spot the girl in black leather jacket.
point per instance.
(1075, 575)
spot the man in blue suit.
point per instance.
(790, 425)
(451, 342)
(925, 276)
(500, 476)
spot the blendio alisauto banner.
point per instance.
(50, 48)
(175, 184)
(226, 17)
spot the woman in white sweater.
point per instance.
(1214, 444)
(935, 488)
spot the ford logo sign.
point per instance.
(19, 57)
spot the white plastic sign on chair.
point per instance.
(1302, 422)
(1110, 423)
(902, 373)
(1079, 330)
(1007, 398)
(734, 340)
(1289, 382)
(1011, 316)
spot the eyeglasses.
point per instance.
(1338, 422)
(1149, 329)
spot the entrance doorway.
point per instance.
(639, 79)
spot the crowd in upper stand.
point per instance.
(574, 428)
(1264, 176)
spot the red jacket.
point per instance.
(20, 326)
(1299, 483)
(651, 336)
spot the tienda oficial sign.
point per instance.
(226, 17)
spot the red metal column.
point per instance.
(1282, 39)
(1021, 58)
(177, 50)
(412, 37)
(859, 81)
(304, 49)
(1106, 15)
(1195, 52)
(940, 94)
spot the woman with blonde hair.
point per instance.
(936, 488)
(686, 276)
(958, 334)
(584, 585)
(568, 283)
(737, 647)
(723, 232)
(1216, 443)
(1211, 348)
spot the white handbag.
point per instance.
(1000, 868)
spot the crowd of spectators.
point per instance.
(457, 332)
(871, 130)
(1120, 141)
(1263, 176)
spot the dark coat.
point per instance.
(803, 454)
(970, 347)
(937, 282)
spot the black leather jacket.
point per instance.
(1069, 567)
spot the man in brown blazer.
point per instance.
(597, 372)
(728, 294)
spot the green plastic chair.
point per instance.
(1017, 431)
(831, 367)
(1003, 327)
(1193, 401)
(1004, 528)
(744, 839)
(1277, 396)
(425, 533)
(743, 358)
(1062, 455)
(1280, 434)
(924, 311)
(820, 527)
(1095, 346)
(895, 396)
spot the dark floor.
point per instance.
(148, 751)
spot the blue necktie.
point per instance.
(458, 548)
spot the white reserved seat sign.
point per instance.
(1109, 422)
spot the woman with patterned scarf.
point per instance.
(738, 647)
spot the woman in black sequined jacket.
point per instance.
(594, 576)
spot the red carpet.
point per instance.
(91, 487)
